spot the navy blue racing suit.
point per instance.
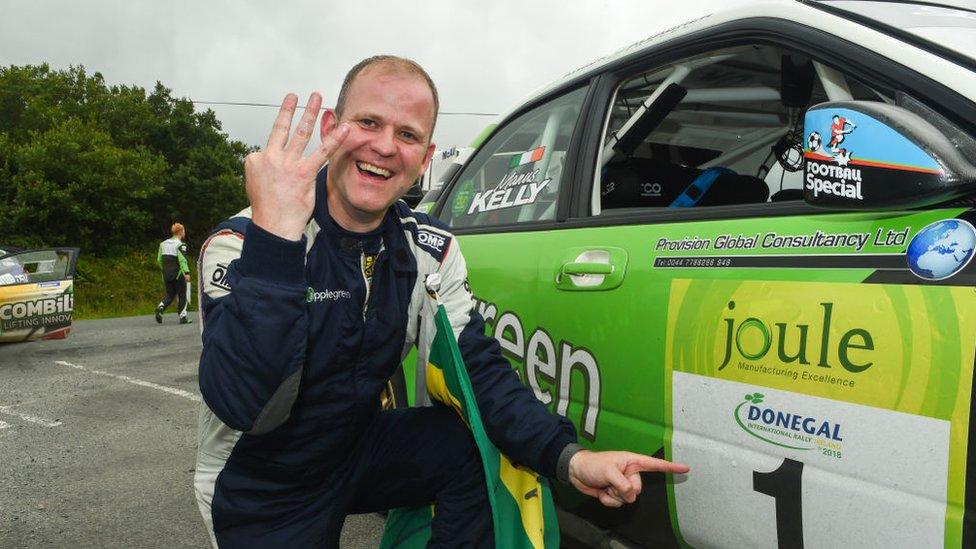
(299, 339)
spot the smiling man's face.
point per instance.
(390, 113)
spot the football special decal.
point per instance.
(837, 178)
(860, 148)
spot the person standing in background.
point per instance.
(171, 259)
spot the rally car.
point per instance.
(36, 293)
(745, 244)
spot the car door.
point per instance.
(37, 294)
(508, 207)
(504, 203)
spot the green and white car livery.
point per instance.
(745, 244)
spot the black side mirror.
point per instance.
(866, 155)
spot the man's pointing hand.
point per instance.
(614, 477)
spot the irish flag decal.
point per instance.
(527, 157)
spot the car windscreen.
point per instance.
(35, 266)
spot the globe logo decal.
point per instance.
(941, 249)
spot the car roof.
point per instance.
(950, 24)
(965, 5)
(806, 12)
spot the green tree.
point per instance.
(108, 167)
(73, 185)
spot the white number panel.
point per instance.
(772, 468)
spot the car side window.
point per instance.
(721, 128)
(516, 177)
(12, 272)
(34, 266)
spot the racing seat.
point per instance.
(647, 183)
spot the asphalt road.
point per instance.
(98, 440)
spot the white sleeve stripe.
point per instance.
(216, 254)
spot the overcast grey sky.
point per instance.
(483, 56)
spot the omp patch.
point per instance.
(218, 278)
(216, 255)
(436, 243)
(369, 264)
(431, 240)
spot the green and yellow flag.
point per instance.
(521, 502)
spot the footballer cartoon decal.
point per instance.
(840, 126)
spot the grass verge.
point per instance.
(123, 285)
